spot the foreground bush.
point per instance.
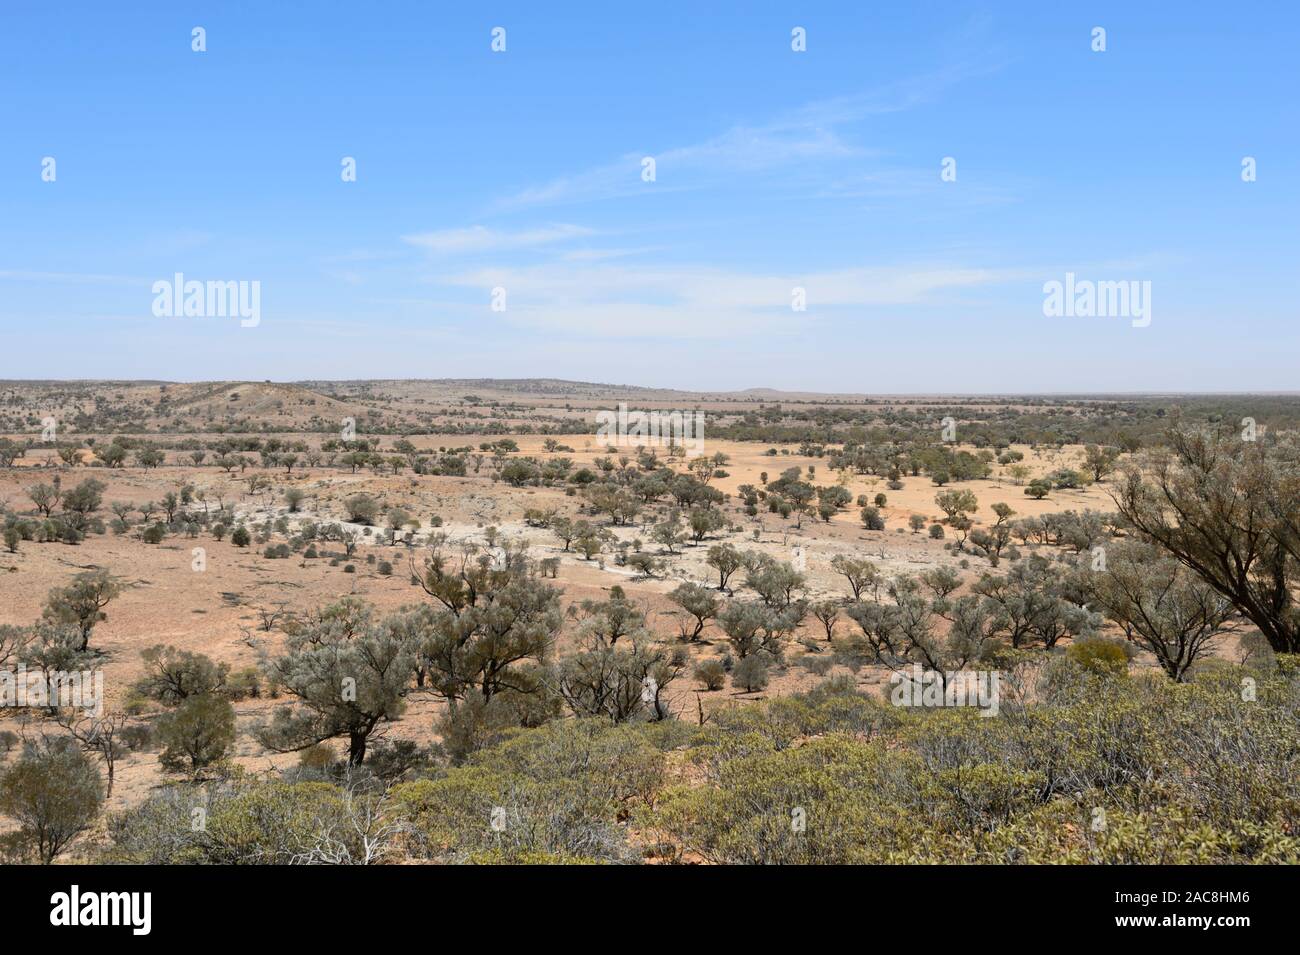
(1118, 771)
(557, 793)
(1099, 766)
(240, 821)
(54, 793)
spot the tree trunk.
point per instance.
(356, 748)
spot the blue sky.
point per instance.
(774, 169)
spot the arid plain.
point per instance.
(196, 589)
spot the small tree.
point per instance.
(46, 497)
(1225, 509)
(592, 541)
(81, 603)
(906, 632)
(50, 648)
(100, 735)
(1038, 488)
(396, 520)
(113, 455)
(492, 619)
(1161, 607)
(173, 676)
(669, 532)
(699, 606)
(54, 793)
(859, 572)
(197, 733)
(348, 674)
(79, 505)
(827, 612)
(605, 622)
(726, 560)
(361, 509)
(566, 529)
(995, 538)
(645, 564)
(619, 683)
(956, 504)
(1099, 461)
(753, 628)
(711, 674)
(751, 674)
(703, 521)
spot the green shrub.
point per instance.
(1100, 654)
(711, 674)
(244, 683)
(138, 737)
(319, 758)
(750, 674)
(53, 793)
(558, 790)
(361, 509)
(871, 518)
(252, 822)
(196, 734)
(1085, 768)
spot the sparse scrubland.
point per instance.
(444, 622)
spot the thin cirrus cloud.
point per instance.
(738, 150)
(797, 138)
(69, 278)
(641, 302)
(476, 239)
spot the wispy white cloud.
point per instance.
(671, 302)
(70, 278)
(482, 239)
(600, 255)
(796, 138)
(739, 150)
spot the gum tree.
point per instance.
(81, 604)
(1162, 607)
(1225, 508)
(348, 674)
(54, 794)
(492, 613)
